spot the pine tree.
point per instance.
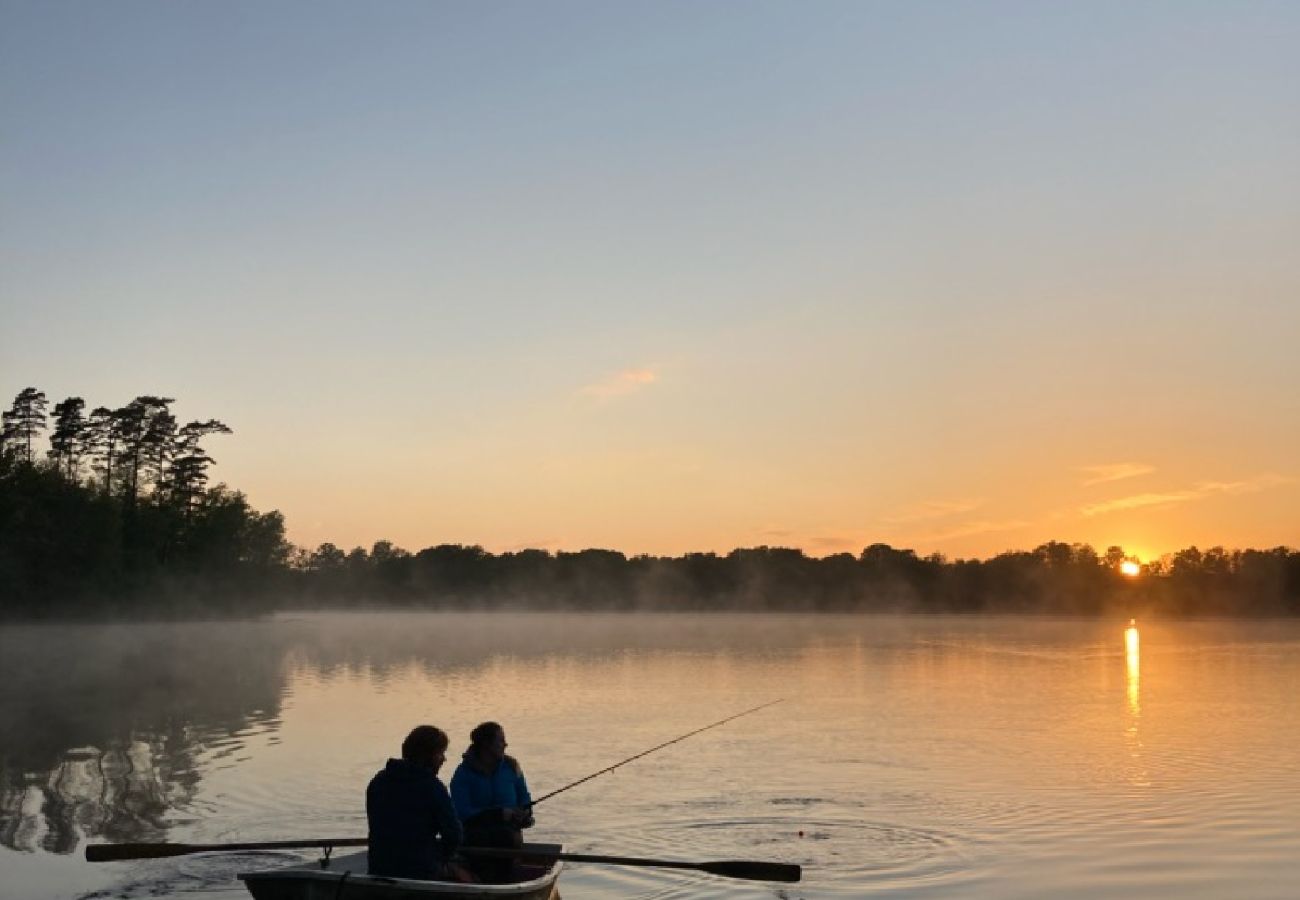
(159, 447)
(101, 444)
(135, 427)
(189, 468)
(68, 441)
(24, 420)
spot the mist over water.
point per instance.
(914, 756)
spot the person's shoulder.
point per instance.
(385, 773)
(514, 765)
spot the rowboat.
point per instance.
(347, 878)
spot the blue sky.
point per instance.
(678, 275)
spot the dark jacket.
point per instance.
(475, 790)
(413, 827)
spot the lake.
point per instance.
(921, 756)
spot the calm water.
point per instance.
(914, 757)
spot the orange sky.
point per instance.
(660, 278)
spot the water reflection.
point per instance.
(105, 725)
(916, 757)
(110, 729)
(1137, 774)
(1133, 664)
(118, 792)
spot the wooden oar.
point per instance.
(730, 868)
(115, 852)
(727, 868)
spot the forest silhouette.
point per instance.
(117, 517)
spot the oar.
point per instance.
(115, 852)
(752, 870)
(727, 868)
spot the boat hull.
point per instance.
(347, 878)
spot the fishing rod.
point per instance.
(748, 869)
(651, 750)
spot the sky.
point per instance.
(680, 276)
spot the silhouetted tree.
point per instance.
(137, 431)
(101, 444)
(158, 447)
(189, 469)
(23, 421)
(68, 439)
(326, 558)
(1114, 557)
(68, 547)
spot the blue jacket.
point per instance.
(473, 790)
(413, 827)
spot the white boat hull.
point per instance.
(347, 878)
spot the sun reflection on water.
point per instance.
(1132, 665)
(1138, 775)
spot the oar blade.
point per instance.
(118, 852)
(752, 870)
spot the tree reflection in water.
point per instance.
(117, 793)
(105, 725)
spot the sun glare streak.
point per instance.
(1132, 659)
(1130, 568)
(1138, 776)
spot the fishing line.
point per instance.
(652, 750)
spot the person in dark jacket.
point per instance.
(491, 797)
(414, 830)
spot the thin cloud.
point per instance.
(1114, 472)
(966, 529)
(539, 544)
(1201, 491)
(834, 542)
(1137, 501)
(621, 383)
(822, 542)
(933, 509)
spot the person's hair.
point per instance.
(423, 743)
(483, 733)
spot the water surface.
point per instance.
(913, 756)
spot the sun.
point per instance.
(1130, 568)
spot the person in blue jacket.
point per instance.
(414, 830)
(491, 797)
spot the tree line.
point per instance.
(1057, 578)
(117, 515)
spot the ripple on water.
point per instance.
(202, 873)
(840, 853)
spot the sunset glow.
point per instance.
(582, 279)
(802, 393)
